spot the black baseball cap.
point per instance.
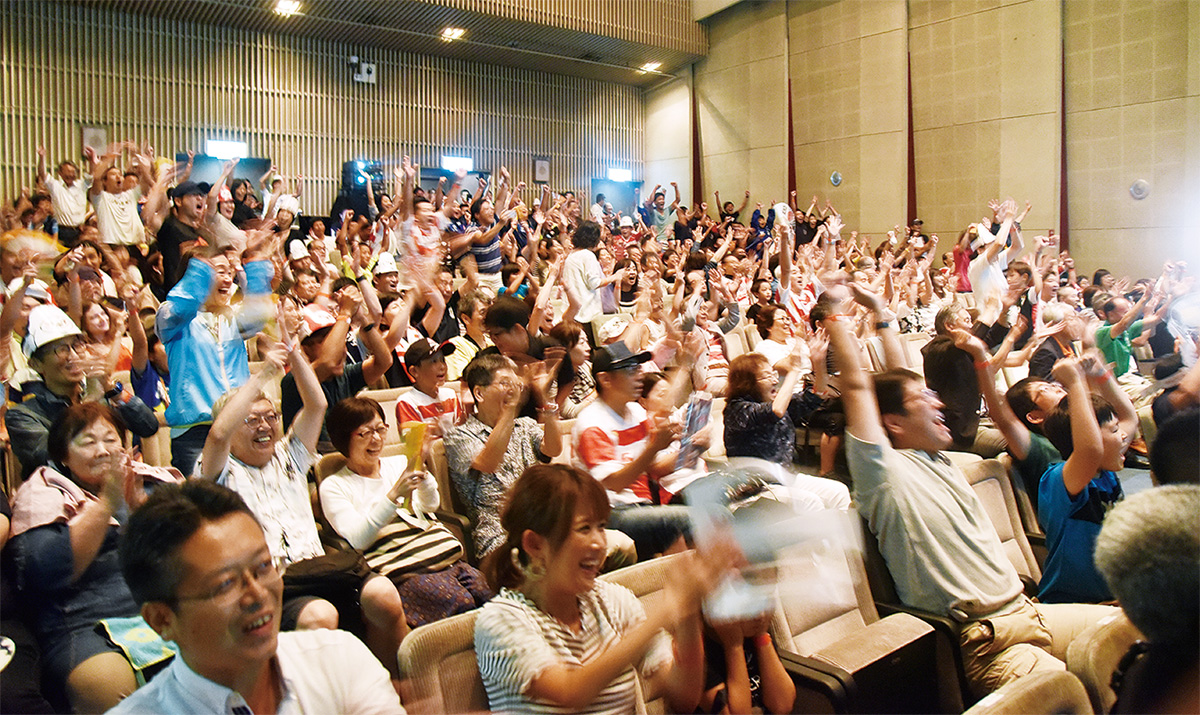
(188, 188)
(616, 356)
(423, 349)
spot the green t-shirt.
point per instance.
(1117, 350)
(1041, 455)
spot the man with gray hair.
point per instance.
(1149, 554)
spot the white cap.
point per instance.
(626, 221)
(297, 251)
(37, 289)
(613, 328)
(47, 324)
(288, 203)
(386, 263)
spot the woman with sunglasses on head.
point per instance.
(66, 524)
(383, 508)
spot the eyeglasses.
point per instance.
(76, 346)
(265, 571)
(270, 419)
(368, 432)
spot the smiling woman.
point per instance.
(383, 508)
(65, 532)
(557, 638)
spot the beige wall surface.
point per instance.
(850, 113)
(292, 99)
(1133, 112)
(668, 137)
(740, 99)
(986, 98)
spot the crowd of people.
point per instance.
(555, 352)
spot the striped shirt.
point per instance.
(415, 406)
(515, 642)
(604, 442)
(487, 255)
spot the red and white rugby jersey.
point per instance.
(603, 442)
(416, 406)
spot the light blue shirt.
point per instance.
(321, 671)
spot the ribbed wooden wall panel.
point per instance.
(661, 23)
(291, 99)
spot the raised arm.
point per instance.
(1087, 446)
(309, 420)
(1101, 381)
(1016, 434)
(376, 366)
(231, 416)
(858, 394)
(41, 164)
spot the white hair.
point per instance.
(1148, 551)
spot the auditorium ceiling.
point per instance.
(610, 40)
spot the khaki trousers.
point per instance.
(1000, 649)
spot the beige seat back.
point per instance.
(564, 428)
(647, 581)
(992, 485)
(1095, 654)
(833, 600)
(1048, 692)
(716, 430)
(1025, 500)
(827, 621)
(439, 670)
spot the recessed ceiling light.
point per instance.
(287, 8)
(450, 34)
(651, 66)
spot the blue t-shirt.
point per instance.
(1071, 526)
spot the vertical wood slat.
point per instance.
(176, 83)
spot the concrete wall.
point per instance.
(667, 139)
(1133, 112)
(741, 103)
(986, 98)
(850, 112)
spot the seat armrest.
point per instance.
(825, 679)
(452, 519)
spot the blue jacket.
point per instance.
(207, 353)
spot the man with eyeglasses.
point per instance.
(57, 353)
(198, 562)
(247, 451)
(940, 546)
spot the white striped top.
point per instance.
(515, 642)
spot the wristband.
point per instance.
(116, 390)
(883, 325)
(762, 640)
(360, 279)
(981, 364)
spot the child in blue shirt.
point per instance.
(1092, 432)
